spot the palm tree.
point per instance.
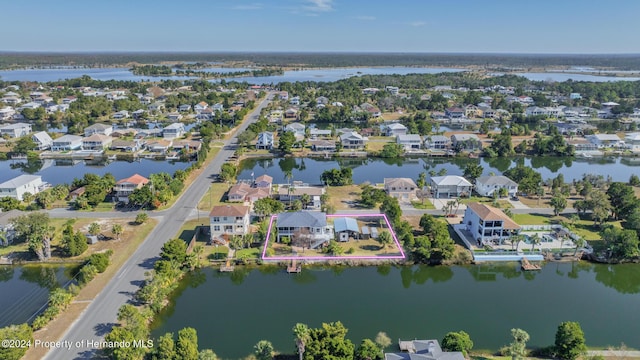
(305, 198)
(384, 239)
(301, 331)
(94, 228)
(117, 230)
(535, 240)
(198, 250)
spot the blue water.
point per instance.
(55, 74)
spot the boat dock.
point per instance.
(294, 267)
(527, 266)
(228, 267)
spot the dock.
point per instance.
(227, 267)
(527, 266)
(294, 267)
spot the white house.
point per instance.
(66, 143)
(18, 186)
(488, 185)
(173, 131)
(200, 106)
(296, 128)
(605, 140)
(228, 220)
(42, 140)
(632, 141)
(422, 350)
(98, 128)
(450, 186)
(486, 223)
(308, 229)
(437, 142)
(6, 113)
(409, 141)
(125, 187)
(122, 114)
(466, 142)
(15, 130)
(353, 140)
(96, 142)
(265, 141)
(395, 129)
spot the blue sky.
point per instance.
(500, 26)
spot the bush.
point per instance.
(100, 261)
(86, 274)
(141, 218)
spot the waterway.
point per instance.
(25, 289)
(233, 311)
(374, 170)
(65, 170)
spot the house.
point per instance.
(468, 142)
(307, 229)
(156, 106)
(96, 142)
(288, 193)
(422, 350)
(409, 141)
(18, 186)
(66, 143)
(450, 186)
(184, 108)
(472, 111)
(291, 114)
(486, 223)
(73, 195)
(122, 114)
(218, 107)
(393, 90)
(525, 100)
(582, 144)
(263, 181)
(265, 141)
(6, 113)
(42, 140)
(15, 130)
(394, 129)
(98, 128)
(295, 100)
(199, 107)
(437, 142)
(125, 187)
(488, 185)
(206, 114)
(370, 91)
(228, 220)
(403, 189)
(242, 191)
(323, 145)
(296, 128)
(174, 116)
(322, 100)
(29, 105)
(126, 145)
(283, 95)
(345, 228)
(487, 112)
(632, 141)
(353, 140)
(316, 133)
(138, 114)
(187, 145)
(173, 131)
(373, 110)
(159, 146)
(11, 100)
(605, 140)
(124, 132)
(454, 112)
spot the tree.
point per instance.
(35, 230)
(302, 337)
(634, 180)
(391, 207)
(187, 344)
(207, 354)
(559, 203)
(24, 145)
(165, 348)
(141, 218)
(457, 341)
(228, 172)
(473, 171)
(570, 342)
(141, 197)
(117, 230)
(368, 350)
(383, 340)
(535, 240)
(263, 350)
(174, 250)
(286, 141)
(267, 206)
(391, 150)
(334, 248)
(94, 229)
(20, 333)
(528, 179)
(329, 342)
(384, 238)
(623, 199)
(518, 348)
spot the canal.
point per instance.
(233, 311)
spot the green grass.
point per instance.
(531, 219)
(188, 229)
(213, 196)
(426, 205)
(252, 253)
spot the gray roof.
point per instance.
(496, 180)
(351, 135)
(15, 126)
(345, 224)
(19, 181)
(464, 137)
(409, 137)
(68, 138)
(423, 350)
(450, 180)
(43, 137)
(98, 126)
(434, 138)
(302, 219)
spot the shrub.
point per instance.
(100, 261)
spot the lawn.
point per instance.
(423, 205)
(377, 143)
(213, 196)
(531, 219)
(583, 227)
(189, 228)
(251, 253)
(344, 197)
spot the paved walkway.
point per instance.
(518, 204)
(621, 354)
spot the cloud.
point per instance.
(254, 6)
(319, 5)
(365, 17)
(417, 23)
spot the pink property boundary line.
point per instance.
(393, 234)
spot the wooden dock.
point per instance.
(527, 266)
(294, 267)
(227, 267)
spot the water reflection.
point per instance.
(31, 166)
(421, 274)
(624, 278)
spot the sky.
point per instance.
(458, 26)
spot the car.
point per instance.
(515, 198)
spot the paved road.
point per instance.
(100, 316)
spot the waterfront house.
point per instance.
(127, 145)
(488, 224)
(322, 133)
(288, 193)
(374, 111)
(67, 143)
(228, 220)
(455, 112)
(263, 181)
(409, 141)
(323, 145)
(606, 140)
(125, 187)
(582, 144)
(96, 142)
(18, 186)
(467, 142)
(265, 141)
(42, 139)
(296, 128)
(307, 229)
(206, 114)
(394, 129)
(98, 128)
(422, 350)
(403, 189)
(15, 130)
(173, 131)
(187, 145)
(159, 146)
(437, 142)
(353, 141)
(489, 185)
(242, 192)
(450, 186)
(345, 228)
(632, 141)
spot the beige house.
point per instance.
(228, 220)
(403, 189)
